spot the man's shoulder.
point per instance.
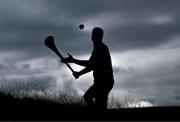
(105, 47)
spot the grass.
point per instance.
(31, 102)
(13, 108)
(41, 97)
(30, 90)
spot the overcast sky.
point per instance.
(142, 35)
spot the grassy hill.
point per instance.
(14, 108)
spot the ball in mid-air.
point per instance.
(81, 26)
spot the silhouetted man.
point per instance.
(100, 64)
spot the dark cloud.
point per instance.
(142, 36)
(122, 70)
(24, 29)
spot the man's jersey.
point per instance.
(100, 62)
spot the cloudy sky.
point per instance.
(142, 35)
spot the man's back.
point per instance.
(101, 62)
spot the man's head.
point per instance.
(97, 35)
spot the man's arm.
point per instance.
(84, 63)
(82, 72)
(88, 65)
(70, 59)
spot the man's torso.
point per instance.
(102, 66)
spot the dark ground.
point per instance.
(29, 109)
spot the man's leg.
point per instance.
(101, 97)
(89, 96)
(101, 100)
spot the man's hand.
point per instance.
(68, 59)
(76, 75)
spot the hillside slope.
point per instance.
(37, 109)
